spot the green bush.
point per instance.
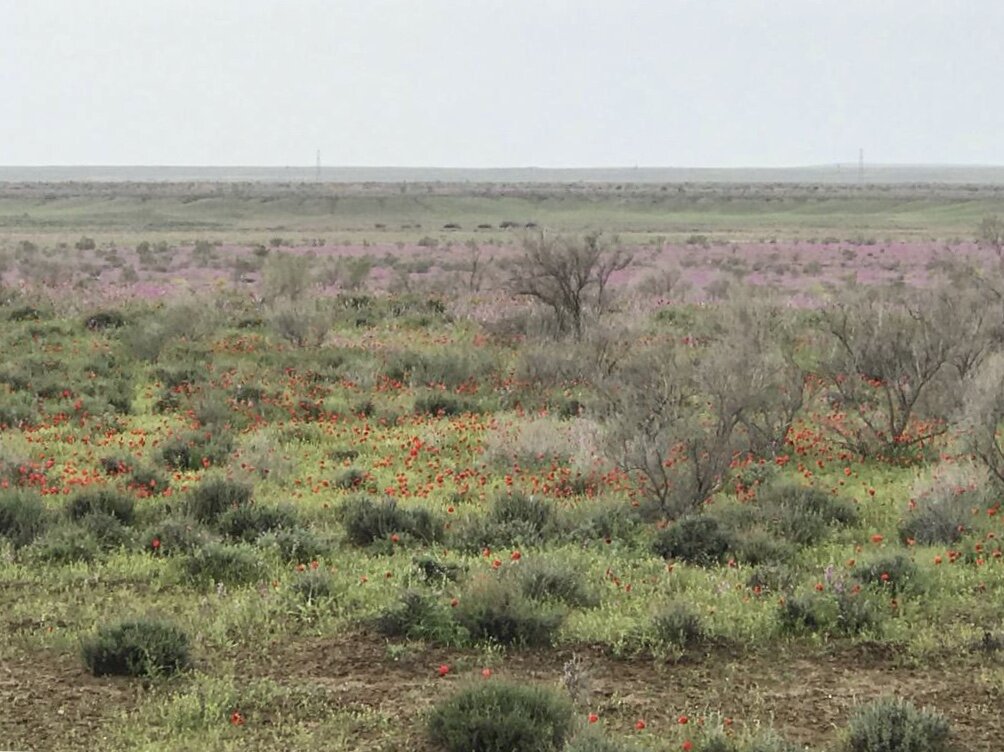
(549, 579)
(212, 498)
(367, 521)
(418, 616)
(444, 404)
(297, 545)
(137, 648)
(513, 519)
(107, 530)
(65, 544)
(231, 565)
(148, 481)
(497, 716)
(941, 521)
(697, 539)
(895, 573)
(678, 625)
(894, 725)
(176, 536)
(120, 506)
(803, 515)
(759, 548)
(22, 516)
(496, 610)
(313, 585)
(841, 613)
(248, 521)
(195, 450)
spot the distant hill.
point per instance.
(823, 174)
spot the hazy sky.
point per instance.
(468, 83)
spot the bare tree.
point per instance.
(895, 364)
(568, 275)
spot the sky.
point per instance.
(507, 83)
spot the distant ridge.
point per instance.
(827, 174)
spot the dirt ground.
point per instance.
(49, 702)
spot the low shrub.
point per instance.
(107, 530)
(137, 648)
(894, 573)
(677, 625)
(176, 536)
(418, 616)
(444, 404)
(217, 563)
(496, 610)
(313, 585)
(937, 521)
(65, 544)
(842, 613)
(22, 516)
(296, 545)
(212, 498)
(894, 725)
(496, 716)
(248, 521)
(120, 506)
(696, 539)
(196, 450)
(367, 521)
(549, 579)
(148, 481)
(803, 515)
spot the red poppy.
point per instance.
(687, 745)
(593, 718)
(443, 669)
(237, 718)
(639, 724)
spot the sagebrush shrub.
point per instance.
(120, 506)
(895, 572)
(215, 496)
(676, 624)
(248, 521)
(892, 724)
(297, 545)
(22, 516)
(418, 616)
(137, 648)
(551, 579)
(313, 585)
(175, 536)
(697, 539)
(196, 450)
(107, 530)
(495, 716)
(367, 521)
(65, 544)
(496, 610)
(803, 515)
(230, 565)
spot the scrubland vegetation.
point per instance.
(556, 491)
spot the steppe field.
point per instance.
(582, 466)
